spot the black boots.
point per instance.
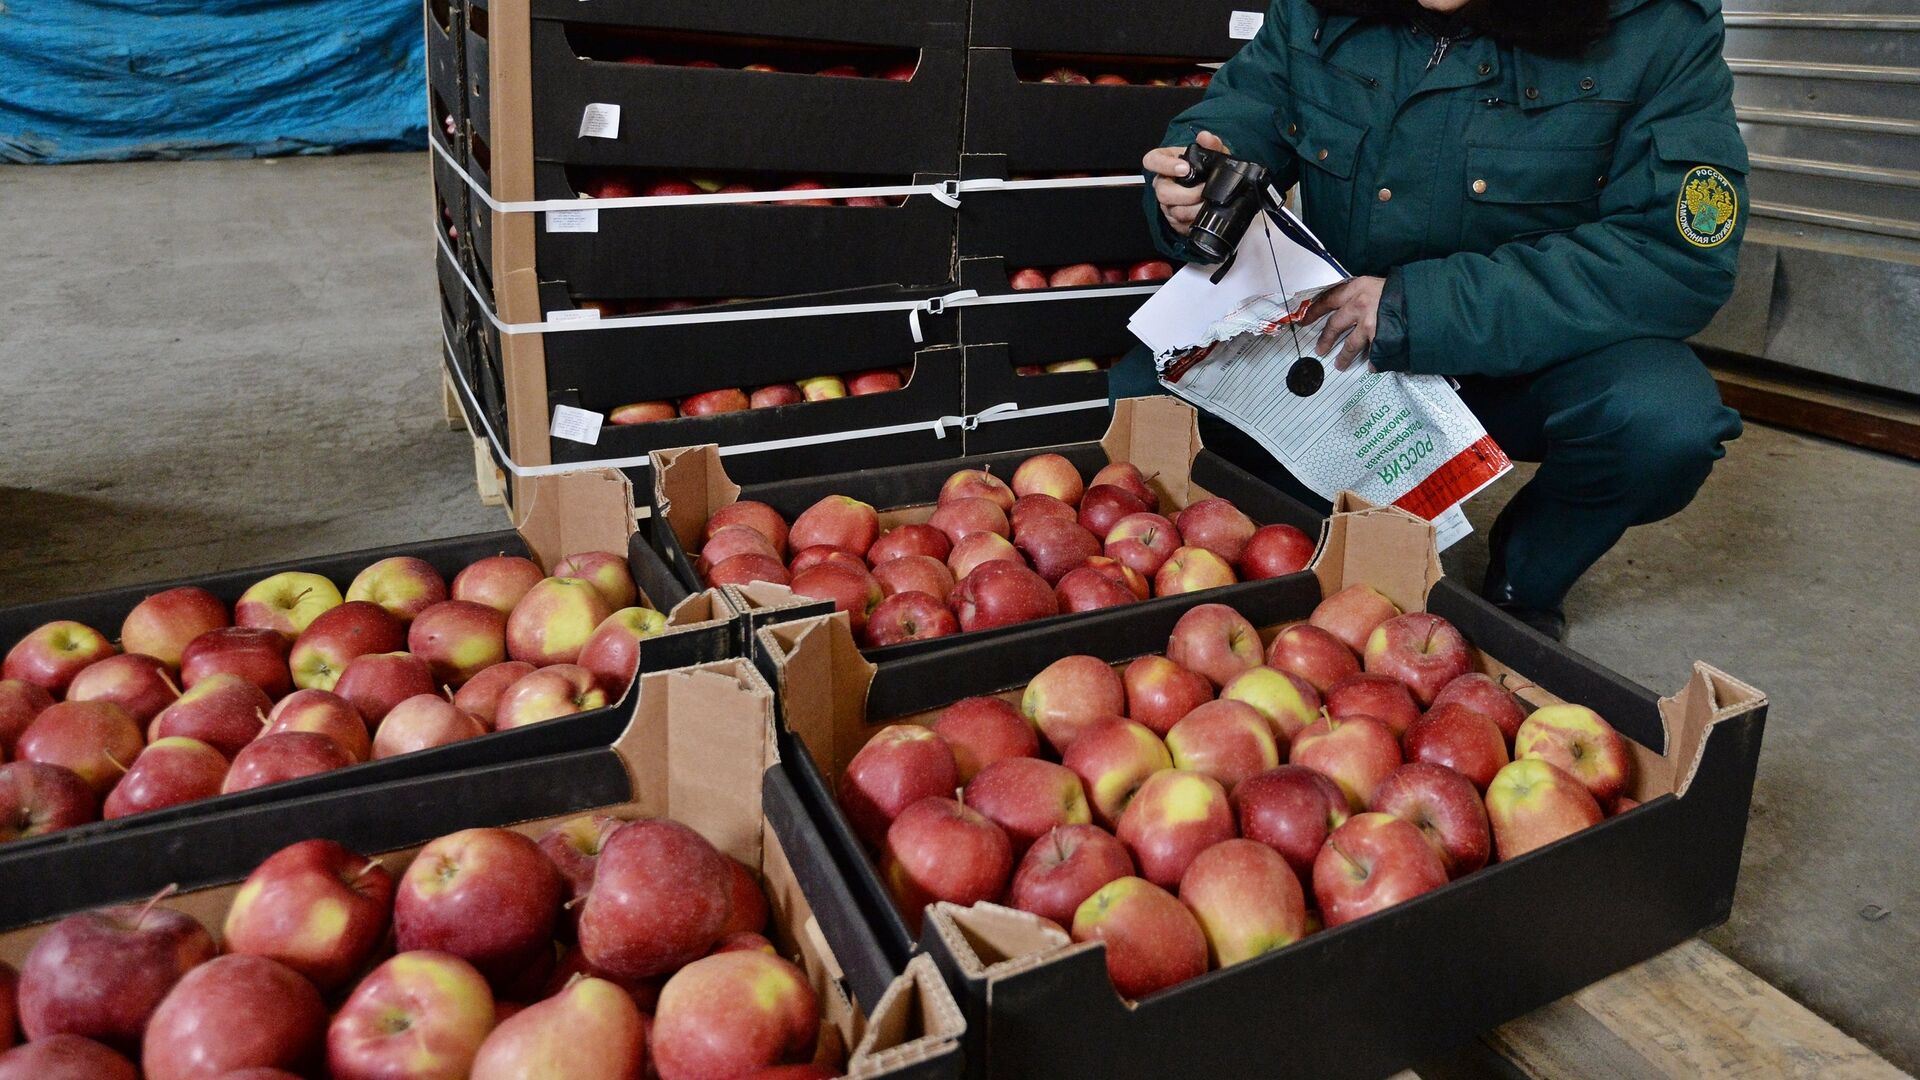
(1550, 621)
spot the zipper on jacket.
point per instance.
(1440, 47)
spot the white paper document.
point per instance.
(1239, 349)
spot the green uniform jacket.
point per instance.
(1529, 208)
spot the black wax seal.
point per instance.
(1305, 376)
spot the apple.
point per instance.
(612, 654)
(1227, 740)
(551, 692)
(873, 382)
(742, 569)
(1215, 641)
(641, 412)
(1031, 507)
(1313, 654)
(101, 974)
(1055, 548)
(1356, 753)
(1574, 739)
(325, 714)
(901, 72)
(95, 739)
(1104, 505)
(331, 641)
(1065, 867)
(487, 896)
(139, 684)
(1150, 269)
(853, 591)
(1444, 807)
(1284, 700)
(810, 557)
(1247, 900)
(731, 1013)
(1121, 574)
(1084, 363)
(1191, 569)
(915, 573)
(168, 772)
(1160, 692)
(1196, 78)
(837, 521)
(425, 721)
(1070, 277)
(961, 516)
(286, 603)
(823, 388)
(938, 849)
(161, 625)
(64, 1057)
(1142, 541)
(1352, 613)
(284, 755)
(907, 540)
(590, 1030)
(1531, 803)
(256, 654)
(1382, 697)
(574, 847)
(480, 697)
(757, 516)
(551, 624)
(1218, 526)
(1152, 940)
(374, 683)
(232, 1013)
(420, 1014)
(748, 910)
(51, 655)
(458, 639)
(1027, 797)
(20, 702)
(607, 572)
(1274, 551)
(909, 616)
(1087, 589)
(977, 484)
(1026, 278)
(1291, 809)
(998, 593)
(1113, 758)
(1459, 739)
(498, 581)
(772, 397)
(1070, 695)
(1485, 695)
(1127, 476)
(314, 906)
(980, 731)
(404, 585)
(1174, 816)
(660, 899)
(899, 765)
(729, 399)
(974, 549)
(1048, 474)
(37, 799)
(1371, 863)
(1423, 651)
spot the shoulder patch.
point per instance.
(1707, 208)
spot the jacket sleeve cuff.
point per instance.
(1390, 344)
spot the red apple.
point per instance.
(1485, 695)
(1247, 900)
(810, 557)
(1065, 867)
(551, 624)
(286, 603)
(852, 591)
(314, 906)
(757, 516)
(1048, 474)
(546, 694)
(977, 484)
(1027, 797)
(139, 684)
(1057, 547)
(1196, 78)
(1121, 574)
(748, 910)
(1174, 816)
(1459, 739)
(938, 849)
(1150, 270)
(1218, 526)
(641, 412)
(974, 549)
(374, 683)
(1026, 278)
(481, 696)
(95, 739)
(742, 569)
(167, 773)
(771, 397)
(20, 702)
(1291, 809)
(612, 654)
(961, 516)
(404, 585)
(420, 1014)
(1356, 753)
(337, 635)
(660, 899)
(1069, 277)
(1087, 589)
(487, 896)
(51, 655)
(161, 625)
(1313, 654)
(909, 540)
(322, 713)
(899, 765)
(1191, 569)
(1070, 695)
(731, 1013)
(1160, 692)
(1532, 803)
(1371, 863)
(1215, 641)
(730, 399)
(64, 1057)
(232, 1013)
(981, 731)
(253, 653)
(909, 616)
(1105, 505)
(1032, 507)
(101, 974)
(733, 540)
(1445, 808)
(1064, 75)
(1423, 651)
(38, 799)
(1574, 739)
(590, 1030)
(915, 573)
(1113, 758)
(882, 381)
(1152, 940)
(1274, 551)
(498, 581)
(837, 521)
(1352, 613)
(1283, 700)
(1382, 697)
(607, 572)
(1127, 476)
(1142, 541)
(457, 639)
(574, 847)
(998, 593)
(285, 755)
(1226, 740)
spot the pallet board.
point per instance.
(1857, 419)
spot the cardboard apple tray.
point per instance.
(561, 513)
(697, 750)
(1159, 434)
(1376, 995)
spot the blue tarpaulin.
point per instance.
(113, 80)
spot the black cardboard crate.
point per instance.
(991, 379)
(1049, 127)
(1052, 226)
(1203, 30)
(446, 53)
(1380, 994)
(476, 35)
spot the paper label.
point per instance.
(579, 425)
(574, 315)
(600, 121)
(587, 220)
(1243, 25)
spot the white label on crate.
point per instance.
(579, 425)
(1243, 25)
(574, 315)
(587, 220)
(600, 121)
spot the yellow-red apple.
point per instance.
(1071, 694)
(1246, 898)
(316, 907)
(1356, 753)
(287, 602)
(731, 1013)
(1174, 816)
(1352, 613)
(404, 585)
(1575, 739)
(161, 625)
(1215, 641)
(1152, 940)
(420, 1014)
(498, 581)
(1532, 803)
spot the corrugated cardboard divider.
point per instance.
(584, 510)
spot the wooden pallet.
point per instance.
(1875, 423)
(1687, 1013)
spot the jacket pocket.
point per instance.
(1328, 146)
(1695, 140)
(1519, 190)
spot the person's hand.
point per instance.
(1179, 204)
(1354, 305)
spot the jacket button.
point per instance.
(1479, 187)
(1486, 68)
(1586, 84)
(1322, 155)
(1386, 194)
(1533, 93)
(1293, 129)
(1600, 182)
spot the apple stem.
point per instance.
(372, 865)
(448, 691)
(167, 677)
(116, 761)
(157, 897)
(301, 595)
(1357, 868)
(261, 714)
(569, 905)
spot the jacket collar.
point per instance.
(1562, 28)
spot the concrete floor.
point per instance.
(210, 365)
